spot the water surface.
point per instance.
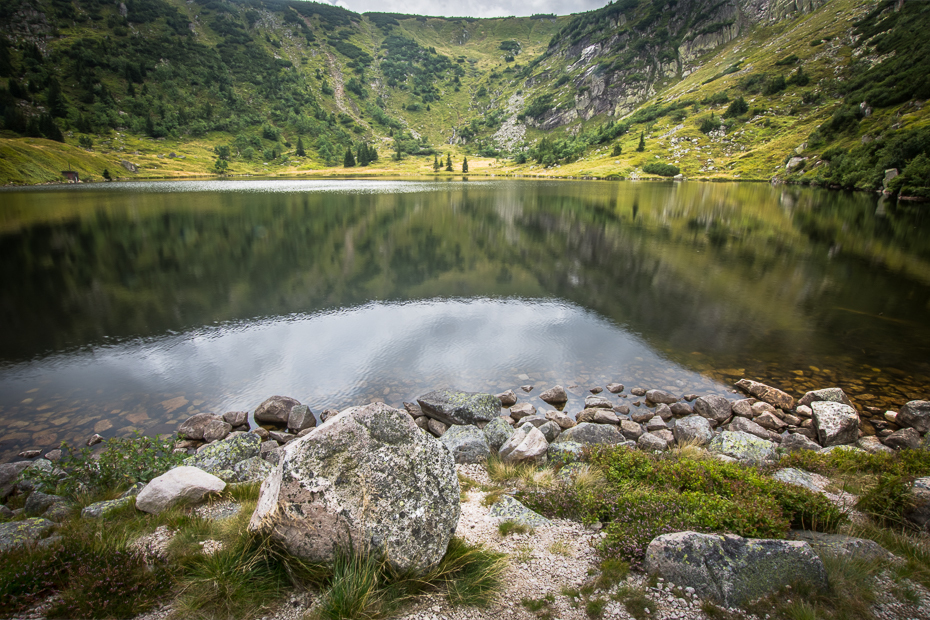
(130, 306)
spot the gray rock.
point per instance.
(226, 453)
(183, 484)
(522, 410)
(194, 426)
(254, 469)
(713, 407)
(835, 423)
(236, 418)
(38, 502)
(797, 477)
(5, 512)
(873, 445)
(614, 388)
(54, 455)
(651, 443)
(915, 414)
(587, 433)
(564, 452)
(796, 441)
(467, 443)
(693, 428)
(368, 477)
(665, 434)
(905, 438)
(561, 419)
(526, 388)
(732, 570)
(638, 391)
(509, 509)
(535, 420)
(554, 396)
(642, 415)
(550, 431)
(275, 410)
(655, 423)
(770, 421)
(216, 430)
(596, 402)
(497, 431)
(596, 390)
(742, 407)
(508, 398)
(100, 510)
(833, 395)
(527, 445)
(330, 413)
(423, 422)
(29, 454)
(772, 396)
(436, 427)
(412, 408)
(21, 533)
(9, 474)
(746, 425)
(919, 511)
(94, 440)
(455, 407)
(742, 447)
(675, 409)
(281, 437)
(300, 418)
(630, 430)
(844, 546)
(661, 396)
(267, 447)
(622, 409)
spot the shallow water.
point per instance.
(130, 306)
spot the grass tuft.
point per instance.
(508, 527)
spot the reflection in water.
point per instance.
(137, 304)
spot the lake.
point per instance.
(131, 306)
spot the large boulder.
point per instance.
(275, 410)
(833, 395)
(767, 393)
(194, 426)
(226, 453)
(369, 478)
(179, 485)
(903, 438)
(527, 445)
(453, 407)
(915, 414)
(732, 570)
(742, 447)
(468, 444)
(497, 432)
(20, 533)
(588, 433)
(713, 407)
(554, 396)
(836, 424)
(693, 428)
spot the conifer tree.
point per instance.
(436, 164)
(465, 164)
(642, 142)
(349, 160)
(300, 148)
(449, 162)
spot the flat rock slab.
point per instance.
(226, 453)
(767, 393)
(732, 570)
(21, 533)
(100, 510)
(455, 407)
(588, 433)
(833, 395)
(847, 546)
(743, 447)
(801, 478)
(509, 509)
(179, 485)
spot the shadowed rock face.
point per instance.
(368, 477)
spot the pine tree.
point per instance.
(449, 162)
(362, 155)
(642, 142)
(349, 160)
(300, 148)
(465, 164)
(436, 164)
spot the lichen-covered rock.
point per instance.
(99, 510)
(588, 433)
(835, 423)
(498, 431)
(467, 443)
(275, 410)
(796, 441)
(179, 485)
(254, 469)
(915, 414)
(800, 478)
(742, 447)
(833, 395)
(509, 509)
(713, 407)
(20, 533)
(38, 502)
(844, 546)
(508, 398)
(564, 452)
(194, 426)
(226, 453)
(732, 570)
(527, 445)
(661, 396)
(454, 407)
(767, 393)
(554, 396)
(693, 428)
(904, 438)
(366, 477)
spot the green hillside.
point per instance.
(830, 94)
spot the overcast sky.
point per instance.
(470, 8)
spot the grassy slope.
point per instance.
(756, 149)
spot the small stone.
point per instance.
(561, 419)
(194, 426)
(29, 454)
(331, 413)
(770, 421)
(630, 430)
(614, 388)
(526, 388)
(660, 396)
(597, 402)
(236, 418)
(637, 391)
(436, 427)
(94, 440)
(772, 396)
(522, 410)
(554, 396)
(54, 455)
(300, 418)
(743, 407)
(651, 443)
(677, 409)
(412, 408)
(508, 398)
(596, 390)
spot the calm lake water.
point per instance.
(131, 306)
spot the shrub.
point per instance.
(737, 108)
(709, 124)
(774, 86)
(663, 170)
(888, 499)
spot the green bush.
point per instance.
(663, 170)
(888, 499)
(737, 108)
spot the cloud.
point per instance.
(475, 8)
